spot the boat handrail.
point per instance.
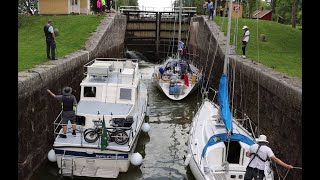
(56, 124)
(103, 71)
(246, 123)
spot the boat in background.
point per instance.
(110, 115)
(218, 140)
(177, 77)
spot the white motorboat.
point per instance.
(112, 110)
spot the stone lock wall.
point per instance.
(37, 110)
(271, 99)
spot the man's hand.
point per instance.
(289, 166)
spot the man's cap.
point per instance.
(67, 90)
(245, 27)
(262, 138)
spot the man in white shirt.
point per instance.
(259, 154)
(245, 40)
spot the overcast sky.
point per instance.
(160, 4)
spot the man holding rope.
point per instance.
(259, 154)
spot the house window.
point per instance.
(125, 94)
(89, 91)
(74, 2)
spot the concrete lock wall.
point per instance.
(37, 110)
(279, 101)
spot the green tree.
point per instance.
(290, 11)
(294, 13)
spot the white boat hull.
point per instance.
(187, 90)
(195, 169)
(94, 163)
(214, 164)
(163, 83)
(120, 102)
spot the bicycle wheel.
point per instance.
(91, 135)
(120, 137)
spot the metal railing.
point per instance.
(58, 125)
(105, 77)
(122, 9)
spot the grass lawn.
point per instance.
(74, 30)
(282, 51)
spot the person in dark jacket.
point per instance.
(50, 40)
(69, 104)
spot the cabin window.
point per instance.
(234, 152)
(89, 91)
(125, 93)
(74, 2)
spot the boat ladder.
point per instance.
(90, 171)
(67, 166)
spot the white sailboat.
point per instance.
(218, 141)
(112, 109)
(177, 77)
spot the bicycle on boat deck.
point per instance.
(119, 136)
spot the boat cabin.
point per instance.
(109, 89)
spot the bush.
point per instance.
(263, 38)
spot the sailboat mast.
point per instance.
(179, 35)
(226, 57)
(180, 12)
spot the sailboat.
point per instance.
(218, 140)
(110, 116)
(177, 77)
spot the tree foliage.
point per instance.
(281, 8)
(117, 3)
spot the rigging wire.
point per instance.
(214, 57)
(165, 19)
(258, 84)
(235, 40)
(188, 20)
(206, 86)
(202, 86)
(169, 39)
(174, 33)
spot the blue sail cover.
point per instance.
(224, 137)
(224, 102)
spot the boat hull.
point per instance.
(119, 104)
(164, 88)
(88, 162)
(195, 169)
(210, 161)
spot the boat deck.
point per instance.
(78, 141)
(113, 78)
